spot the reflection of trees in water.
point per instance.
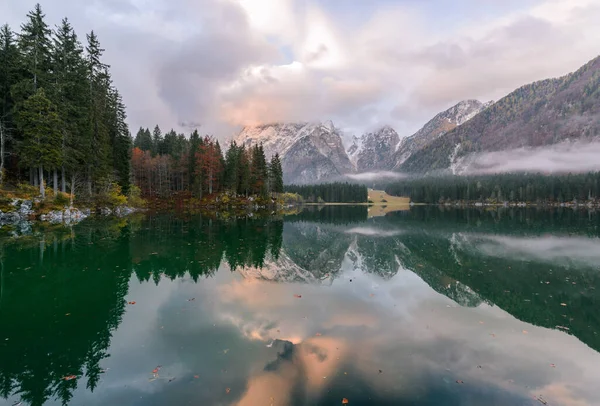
(543, 293)
(63, 291)
(58, 310)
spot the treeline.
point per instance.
(62, 121)
(331, 192)
(499, 188)
(171, 163)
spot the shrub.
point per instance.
(111, 196)
(134, 199)
(27, 191)
(62, 199)
(383, 201)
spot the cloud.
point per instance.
(373, 232)
(382, 176)
(566, 157)
(226, 63)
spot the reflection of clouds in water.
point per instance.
(373, 232)
(554, 250)
(406, 330)
(400, 326)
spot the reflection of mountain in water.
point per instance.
(62, 292)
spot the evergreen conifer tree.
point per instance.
(42, 140)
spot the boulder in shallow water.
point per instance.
(105, 211)
(122, 211)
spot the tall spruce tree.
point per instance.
(143, 139)
(35, 46)
(69, 95)
(42, 141)
(157, 141)
(276, 174)
(97, 151)
(9, 75)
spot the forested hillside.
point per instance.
(542, 113)
(331, 192)
(171, 163)
(62, 121)
(532, 188)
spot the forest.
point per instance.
(331, 192)
(63, 123)
(171, 163)
(499, 188)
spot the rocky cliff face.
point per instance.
(438, 126)
(310, 152)
(374, 151)
(539, 114)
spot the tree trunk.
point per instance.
(89, 182)
(63, 185)
(72, 191)
(55, 182)
(42, 190)
(36, 178)
(1, 154)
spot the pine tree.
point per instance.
(42, 140)
(34, 43)
(157, 141)
(121, 141)
(276, 173)
(143, 140)
(9, 75)
(194, 173)
(69, 95)
(244, 172)
(97, 152)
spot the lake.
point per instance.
(324, 307)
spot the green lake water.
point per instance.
(422, 307)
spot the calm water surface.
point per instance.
(427, 307)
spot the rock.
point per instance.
(105, 211)
(26, 208)
(67, 216)
(10, 218)
(122, 211)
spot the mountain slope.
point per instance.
(310, 152)
(538, 114)
(438, 126)
(374, 151)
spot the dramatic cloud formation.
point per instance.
(560, 158)
(228, 63)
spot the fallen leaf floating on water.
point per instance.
(298, 296)
(541, 400)
(196, 376)
(460, 382)
(553, 365)
(318, 334)
(227, 390)
(563, 304)
(131, 303)
(525, 332)
(155, 370)
(69, 377)
(192, 299)
(345, 401)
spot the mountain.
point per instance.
(437, 127)
(539, 114)
(310, 152)
(375, 150)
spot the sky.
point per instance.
(222, 64)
